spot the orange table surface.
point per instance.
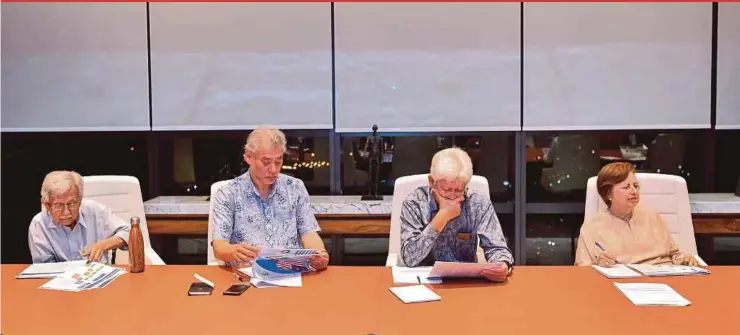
(356, 300)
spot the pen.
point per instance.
(604, 251)
(418, 279)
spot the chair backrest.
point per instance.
(122, 194)
(666, 194)
(403, 187)
(214, 189)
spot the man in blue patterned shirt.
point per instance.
(263, 208)
(445, 220)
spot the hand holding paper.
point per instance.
(320, 261)
(497, 273)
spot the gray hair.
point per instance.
(57, 182)
(451, 164)
(265, 137)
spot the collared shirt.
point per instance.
(458, 241)
(240, 215)
(50, 242)
(644, 239)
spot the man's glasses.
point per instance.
(449, 192)
(73, 206)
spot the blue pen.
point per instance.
(604, 250)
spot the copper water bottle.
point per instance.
(136, 247)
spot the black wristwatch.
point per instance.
(511, 268)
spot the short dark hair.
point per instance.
(610, 175)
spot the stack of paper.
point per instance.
(650, 294)
(50, 270)
(416, 293)
(669, 270)
(617, 271)
(285, 261)
(289, 280)
(417, 275)
(91, 276)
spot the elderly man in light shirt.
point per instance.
(444, 220)
(70, 228)
(263, 208)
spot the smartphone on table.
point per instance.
(236, 289)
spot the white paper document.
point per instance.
(50, 270)
(416, 293)
(91, 276)
(459, 270)
(417, 275)
(617, 271)
(652, 294)
(293, 280)
(669, 270)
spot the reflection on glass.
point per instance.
(410, 155)
(559, 166)
(196, 163)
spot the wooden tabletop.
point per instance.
(356, 300)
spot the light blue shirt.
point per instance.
(50, 242)
(241, 216)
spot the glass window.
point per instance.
(727, 161)
(28, 157)
(491, 153)
(551, 238)
(190, 162)
(559, 165)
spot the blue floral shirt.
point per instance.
(241, 216)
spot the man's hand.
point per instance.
(320, 261)
(605, 260)
(237, 253)
(449, 208)
(496, 274)
(95, 251)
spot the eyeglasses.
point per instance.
(450, 193)
(72, 206)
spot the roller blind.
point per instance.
(74, 67)
(412, 67)
(617, 65)
(241, 65)
(728, 66)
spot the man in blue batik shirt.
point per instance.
(445, 221)
(263, 208)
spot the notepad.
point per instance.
(50, 270)
(652, 294)
(669, 270)
(617, 271)
(293, 280)
(416, 293)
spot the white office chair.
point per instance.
(666, 194)
(212, 260)
(122, 194)
(403, 187)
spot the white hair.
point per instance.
(263, 138)
(58, 182)
(451, 164)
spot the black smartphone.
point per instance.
(236, 289)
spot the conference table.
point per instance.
(357, 300)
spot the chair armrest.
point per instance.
(392, 259)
